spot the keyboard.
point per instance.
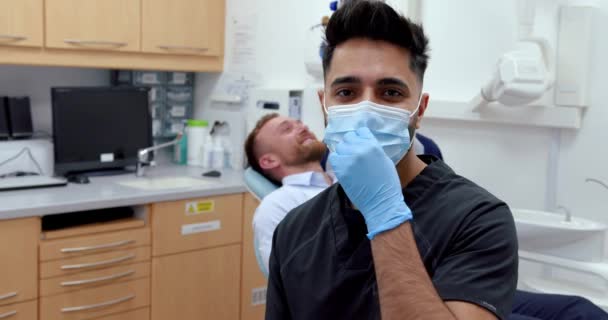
(28, 182)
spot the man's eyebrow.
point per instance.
(392, 82)
(346, 80)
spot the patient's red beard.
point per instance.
(311, 152)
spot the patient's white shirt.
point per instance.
(296, 189)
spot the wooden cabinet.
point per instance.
(254, 284)
(21, 22)
(193, 27)
(96, 302)
(93, 24)
(180, 226)
(18, 256)
(20, 311)
(201, 284)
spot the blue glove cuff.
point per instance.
(391, 224)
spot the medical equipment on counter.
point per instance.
(197, 132)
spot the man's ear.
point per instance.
(269, 161)
(424, 103)
(321, 94)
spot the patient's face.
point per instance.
(291, 141)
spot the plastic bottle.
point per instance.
(197, 131)
(207, 152)
(227, 154)
(218, 154)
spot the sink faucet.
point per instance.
(601, 183)
(143, 155)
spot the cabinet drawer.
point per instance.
(96, 302)
(94, 278)
(180, 226)
(18, 276)
(20, 311)
(94, 262)
(91, 244)
(140, 314)
(93, 25)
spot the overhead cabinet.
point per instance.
(93, 24)
(179, 35)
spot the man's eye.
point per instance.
(392, 93)
(344, 93)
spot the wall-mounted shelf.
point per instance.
(535, 116)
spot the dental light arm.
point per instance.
(524, 74)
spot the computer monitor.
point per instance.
(99, 128)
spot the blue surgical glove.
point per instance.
(370, 180)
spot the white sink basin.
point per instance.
(165, 183)
(548, 233)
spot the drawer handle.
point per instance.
(197, 49)
(98, 305)
(95, 280)
(8, 314)
(99, 247)
(10, 38)
(97, 264)
(97, 43)
(8, 295)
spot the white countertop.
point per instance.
(107, 192)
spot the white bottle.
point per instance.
(207, 152)
(227, 154)
(197, 132)
(217, 157)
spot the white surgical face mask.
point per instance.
(390, 125)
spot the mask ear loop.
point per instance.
(411, 115)
(325, 105)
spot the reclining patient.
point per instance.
(285, 151)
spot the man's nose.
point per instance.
(368, 94)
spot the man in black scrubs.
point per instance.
(400, 237)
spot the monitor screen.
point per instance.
(98, 128)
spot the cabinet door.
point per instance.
(253, 295)
(21, 22)
(93, 24)
(183, 26)
(197, 285)
(19, 259)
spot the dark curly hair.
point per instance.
(376, 20)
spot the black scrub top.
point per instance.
(321, 265)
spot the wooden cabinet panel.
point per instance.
(21, 22)
(183, 26)
(20, 311)
(196, 285)
(93, 262)
(140, 314)
(180, 226)
(18, 255)
(93, 244)
(94, 278)
(254, 284)
(96, 302)
(93, 24)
